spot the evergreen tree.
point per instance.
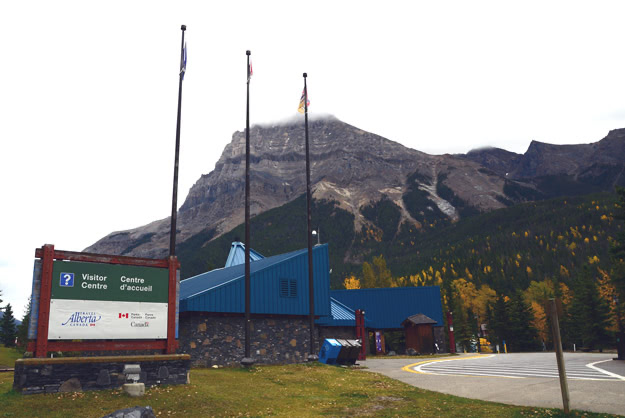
(618, 249)
(589, 313)
(22, 329)
(499, 322)
(448, 298)
(7, 327)
(618, 274)
(523, 336)
(463, 332)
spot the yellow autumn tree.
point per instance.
(368, 276)
(537, 294)
(351, 282)
(376, 274)
(485, 296)
(540, 321)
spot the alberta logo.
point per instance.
(82, 319)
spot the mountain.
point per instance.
(348, 165)
(371, 196)
(547, 170)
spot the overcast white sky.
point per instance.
(88, 94)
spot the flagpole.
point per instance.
(247, 360)
(311, 288)
(174, 199)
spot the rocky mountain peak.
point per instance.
(361, 171)
(348, 165)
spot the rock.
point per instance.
(104, 378)
(71, 385)
(134, 390)
(51, 388)
(136, 412)
(411, 352)
(391, 353)
(163, 372)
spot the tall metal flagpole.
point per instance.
(311, 288)
(174, 199)
(247, 360)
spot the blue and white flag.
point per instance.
(183, 61)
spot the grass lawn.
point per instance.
(301, 390)
(8, 357)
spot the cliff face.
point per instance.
(348, 165)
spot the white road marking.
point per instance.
(508, 368)
(592, 366)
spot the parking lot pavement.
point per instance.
(596, 382)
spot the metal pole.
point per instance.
(557, 342)
(247, 360)
(174, 199)
(479, 346)
(311, 288)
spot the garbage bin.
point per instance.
(335, 351)
(329, 351)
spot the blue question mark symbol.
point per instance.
(67, 278)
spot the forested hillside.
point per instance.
(506, 248)
(501, 268)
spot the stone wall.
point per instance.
(220, 340)
(75, 374)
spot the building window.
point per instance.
(288, 288)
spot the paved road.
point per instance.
(596, 382)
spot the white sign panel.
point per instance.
(95, 320)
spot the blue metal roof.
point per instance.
(340, 316)
(387, 308)
(279, 285)
(237, 255)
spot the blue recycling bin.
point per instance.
(330, 351)
(335, 351)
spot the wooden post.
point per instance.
(452, 341)
(171, 306)
(43, 320)
(557, 342)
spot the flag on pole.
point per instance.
(250, 71)
(183, 62)
(302, 107)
